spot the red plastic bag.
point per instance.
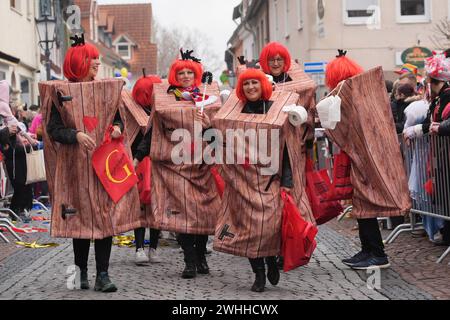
(318, 189)
(297, 236)
(220, 183)
(342, 188)
(143, 173)
(428, 186)
(113, 167)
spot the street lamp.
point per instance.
(46, 26)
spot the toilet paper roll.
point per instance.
(297, 115)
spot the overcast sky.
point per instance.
(213, 17)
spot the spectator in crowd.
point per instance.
(404, 95)
(14, 150)
(438, 117)
(389, 86)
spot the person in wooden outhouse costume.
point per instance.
(184, 196)
(76, 114)
(250, 217)
(286, 75)
(366, 133)
(139, 111)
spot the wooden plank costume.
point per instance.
(81, 207)
(250, 217)
(302, 84)
(137, 119)
(184, 197)
(368, 135)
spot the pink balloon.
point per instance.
(130, 76)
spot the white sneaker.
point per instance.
(141, 258)
(154, 256)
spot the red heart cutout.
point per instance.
(90, 123)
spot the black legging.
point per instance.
(198, 242)
(102, 253)
(258, 263)
(370, 236)
(139, 235)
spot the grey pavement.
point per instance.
(43, 274)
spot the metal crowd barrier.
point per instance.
(427, 163)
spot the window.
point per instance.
(15, 4)
(124, 51)
(413, 11)
(300, 14)
(286, 20)
(361, 11)
(25, 90)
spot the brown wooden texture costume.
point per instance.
(184, 197)
(137, 118)
(300, 82)
(72, 180)
(250, 217)
(367, 134)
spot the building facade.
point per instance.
(19, 60)
(375, 32)
(132, 37)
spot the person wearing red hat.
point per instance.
(275, 60)
(340, 71)
(143, 95)
(184, 197)
(250, 227)
(81, 66)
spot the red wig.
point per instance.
(143, 90)
(270, 51)
(251, 74)
(341, 68)
(78, 61)
(179, 65)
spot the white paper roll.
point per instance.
(297, 115)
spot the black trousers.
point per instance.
(258, 263)
(102, 253)
(22, 198)
(139, 235)
(370, 236)
(192, 245)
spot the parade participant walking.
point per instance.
(184, 196)
(81, 207)
(276, 61)
(250, 217)
(380, 187)
(142, 95)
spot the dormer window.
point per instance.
(123, 47)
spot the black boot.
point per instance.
(84, 282)
(190, 270)
(260, 281)
(103, 283)
(201, 263)
(273, 274)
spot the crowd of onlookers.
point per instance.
(411, 97)
(21, 130)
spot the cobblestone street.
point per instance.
(43, 274)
